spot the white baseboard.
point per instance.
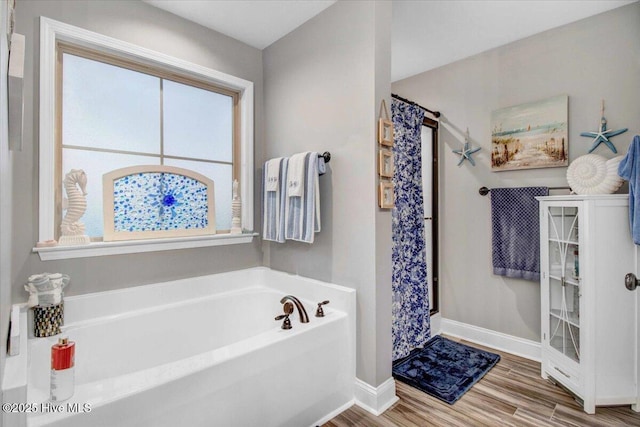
(333, 414)
(509, 343)
(375, 400)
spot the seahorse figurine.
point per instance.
(71, 229)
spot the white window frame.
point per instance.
(51, 32)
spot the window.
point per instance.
(107, 104)
(116, 114)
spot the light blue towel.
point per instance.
(629, 169)
(516, 231)
(302, 210)
(273, 199)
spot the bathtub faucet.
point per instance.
(301, 311)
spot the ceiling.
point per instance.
(425, 34)
(257, 23)
(429, 34)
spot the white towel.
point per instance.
(273, 173)
(302, 213)
(295, 174)
(274, 200)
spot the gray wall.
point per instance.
(593, 59)
(150, 27)
(383, 267)
(323, 85)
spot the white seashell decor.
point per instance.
(594, 174)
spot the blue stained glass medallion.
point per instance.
(159, 201)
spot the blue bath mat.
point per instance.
(444, 369)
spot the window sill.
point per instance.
(138, 246)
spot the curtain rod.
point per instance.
(398, 97)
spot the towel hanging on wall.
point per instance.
(274, 177)
(516, 231)
(629, 169)
(302, 200)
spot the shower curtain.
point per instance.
(410, 305)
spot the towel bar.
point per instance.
(326, 156)
(483, 191)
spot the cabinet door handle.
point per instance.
(631, 281)
(559, 370)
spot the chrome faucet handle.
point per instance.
(320, 311)
(288, 309)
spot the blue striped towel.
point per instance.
(274, 180)
(515, 222)
(302, 205)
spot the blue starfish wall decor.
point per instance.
(467, 151)
(603, 134)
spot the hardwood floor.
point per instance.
(511, 394)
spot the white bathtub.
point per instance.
(204, 351)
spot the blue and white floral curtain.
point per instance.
(411, 323)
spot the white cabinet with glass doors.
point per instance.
(588, 316)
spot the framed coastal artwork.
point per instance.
(385, 126)
(386, 198)
(385, 163)
(530, 136)
(385, 132)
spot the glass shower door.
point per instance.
(427, 186)
(564, 280)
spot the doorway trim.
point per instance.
(433, 125)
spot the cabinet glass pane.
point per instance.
(564, 281)
(557, 264)
(564, 261)
(563, 223)
(556, 340)
(571, 223)
(565, 339)
(573, 263)
(564, 301)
